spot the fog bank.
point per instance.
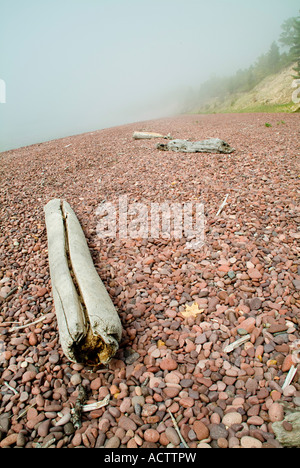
(75, 66)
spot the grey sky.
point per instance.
(72, 66)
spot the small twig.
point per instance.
(236, 344)
(177, 429)
(223, 204)
(25, 411)
(291, 374)
(10, 293)
(97, 405)
(146, 381)
(11, 388)
(7, 324)
(46, 444)
(28, 324)
(77, 410)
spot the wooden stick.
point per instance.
(178, 430)
(11, 388)
(46, 445)
(236, 344)
(289, 378)
(97, 405)
(10, 293)
(223, 204)
(7, 324)
(20, 415)
(28, 324)
(77, 410)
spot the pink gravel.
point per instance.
(245, 279)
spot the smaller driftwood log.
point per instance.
(89, 325)
(213, 145)
(149, 136)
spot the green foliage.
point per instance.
(259, 107)
(295, 49)
(266, 64)
(287, 36)
(290, 38)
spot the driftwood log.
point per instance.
(287, 432)
(213, 145)
(89, 325)
(149, 136)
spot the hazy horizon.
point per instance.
(75, 66)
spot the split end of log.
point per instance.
(89, 325)
(94, 350)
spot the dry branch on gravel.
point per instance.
(89, 325)
(149, 136)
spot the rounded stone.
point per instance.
(201, 430)
(168, 364)
(151, 435)
(255, 420)
(127, 423)
(218, 431)
(44, 427)
(28, 376)
(276, 412)
(75, 379)
(232, 418)
(248, 324)
(69, 428)
(172, 436)
(113, 442)
(250, 442)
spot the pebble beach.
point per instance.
(174, 382)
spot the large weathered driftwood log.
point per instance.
(287, 432)
(89, 325)
(213, 145)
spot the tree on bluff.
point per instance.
(295, 49)
(290, 38)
